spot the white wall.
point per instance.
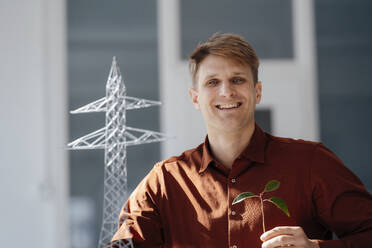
(33, 117)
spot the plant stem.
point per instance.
(263, 215)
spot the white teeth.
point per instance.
(228, 106)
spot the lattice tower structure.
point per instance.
(115, 178)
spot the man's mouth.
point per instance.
(229, 106)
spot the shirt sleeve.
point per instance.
(139, 220)
(341, 202)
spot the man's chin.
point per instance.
(232, 126)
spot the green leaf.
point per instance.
(242, 197)
(272, 185)
(279, 202)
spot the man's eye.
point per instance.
(212, 82)
(238, 80)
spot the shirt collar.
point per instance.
(255, 151)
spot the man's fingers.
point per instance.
(286, 236)
(281, 230)
(279, 241)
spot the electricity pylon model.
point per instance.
(114, 138)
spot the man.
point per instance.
(186, 201)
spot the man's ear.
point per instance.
(258, 90)
(194, 95)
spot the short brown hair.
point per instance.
(227, 45)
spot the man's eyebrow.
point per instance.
(240, 73)
(210, 76)
(234, 73)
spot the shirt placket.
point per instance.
(235, 211)
(232, 214)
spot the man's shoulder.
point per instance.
(292, 144)
(187, 158)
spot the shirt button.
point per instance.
(233, 213)
(234, 246)
(233, 180)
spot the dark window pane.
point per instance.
(97, 31)
(263, 119)
(265, 24)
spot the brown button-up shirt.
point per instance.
(186, 201)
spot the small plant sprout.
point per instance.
(270, 186)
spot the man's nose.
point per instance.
(226, 89)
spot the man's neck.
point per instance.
(227, 146)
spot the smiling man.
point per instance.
(226, 94)
(186, 201)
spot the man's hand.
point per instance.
(287, 236)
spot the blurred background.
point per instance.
(55, 56)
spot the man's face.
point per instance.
(225, 94)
